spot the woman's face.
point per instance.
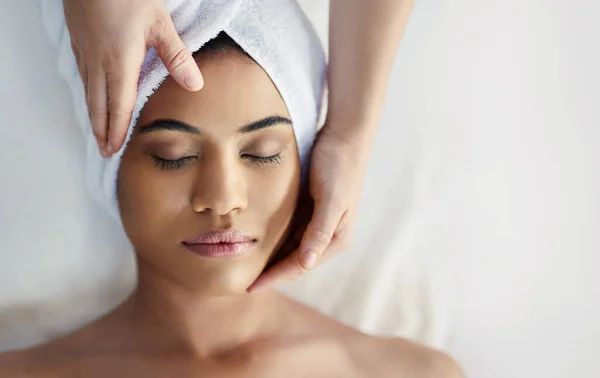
(221, 159)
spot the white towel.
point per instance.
(275, 33)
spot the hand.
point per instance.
(109, 40)
(336, 175)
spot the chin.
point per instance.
(225, 278)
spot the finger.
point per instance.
(286, 269)
(176, 57)
(84, 77)
(97, 100)
(291, 268)
(80, 65)
(339, 243)
(320, 231)
(81, 68)
(122, 92)
(341, 238)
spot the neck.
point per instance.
(166, 314)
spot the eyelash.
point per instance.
(171, 165)
(263, 160)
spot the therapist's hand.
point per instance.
(109, 40)
(336, 178)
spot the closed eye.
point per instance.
(171, 165)
(263, 160)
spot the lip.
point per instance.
(214, 244)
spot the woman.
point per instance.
(206, 194)
(206, 190)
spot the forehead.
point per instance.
(236, 91)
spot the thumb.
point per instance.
(177, 58)
(319, 232)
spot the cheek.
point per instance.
(148, 203)
(273, 196)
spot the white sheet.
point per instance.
(478, 229)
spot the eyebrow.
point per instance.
(174, 125)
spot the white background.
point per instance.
(480, 209)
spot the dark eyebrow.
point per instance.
(174, 125)
(263, 124)
(169, 124)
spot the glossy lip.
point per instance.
(228, 243)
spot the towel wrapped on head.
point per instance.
(276, 34)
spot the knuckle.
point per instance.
(178, 58)
(97, 113)
(320, 237)
(120, 111)
(120, 106)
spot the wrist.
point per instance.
(358, 136)
(356, 112)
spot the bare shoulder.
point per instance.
(424, 362)
(43, 361)
(17, 364)
(369, 356)
(397, 357)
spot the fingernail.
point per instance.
(309, 259)
(109, 150)
(193, 80)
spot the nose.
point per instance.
(220, 187)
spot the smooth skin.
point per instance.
(110, 39)
(191, 316)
